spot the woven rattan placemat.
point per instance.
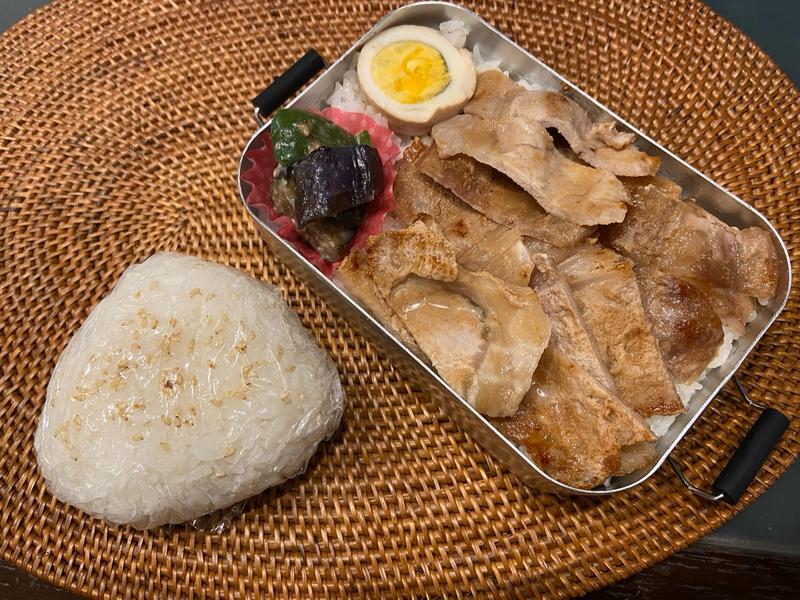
(121, 125)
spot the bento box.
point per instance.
(710, 196)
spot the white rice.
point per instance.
(455, 31)
(189, 388)
(481, 63)
(348, 95)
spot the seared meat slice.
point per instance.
(606, 293)
(680, 238)
(554, 253)
(352, 273)
(598, 144)
(688, 331)
(483, 335)
(524, 151)
(636, 456)
(516, 333)
(494, 93)
(727, 264)
(550, 418)
(574, 428)
(479, 243)
(455, 344)
(568, 330)
(493, 194)
(416, 250)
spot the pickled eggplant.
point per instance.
(333, 180)
(330, 236)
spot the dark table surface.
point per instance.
(756, 554)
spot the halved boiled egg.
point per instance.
(416, 77)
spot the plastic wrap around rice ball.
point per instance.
(190, 387)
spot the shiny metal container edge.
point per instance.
(521, 63)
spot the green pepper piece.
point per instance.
(362, 138)
(295, 133)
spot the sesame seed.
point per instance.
(137, 437)
(164, 446)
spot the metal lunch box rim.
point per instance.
(663, 455)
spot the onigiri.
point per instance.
(190, 387)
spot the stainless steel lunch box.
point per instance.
(710, 196)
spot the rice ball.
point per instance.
(190, 387)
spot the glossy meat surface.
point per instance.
(573, 427)
(598, 144)
(688, 331)
(568, 329)
(608, 297)
(479, 243)
(678, 237)
(524, 151)
(483, 335)
(493, 194)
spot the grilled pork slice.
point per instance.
(364, 290)
(574, 428)
(568, 329)
(605, 290)
(554, 253)
(688, 331)
(679, 237)
(479, 243)
(598, 144)
(493, 194)
(483, 336)
(366, 274)
(524, 151)
(455, 343)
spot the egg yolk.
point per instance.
(410, 72)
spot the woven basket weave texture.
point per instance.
(121, 124)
